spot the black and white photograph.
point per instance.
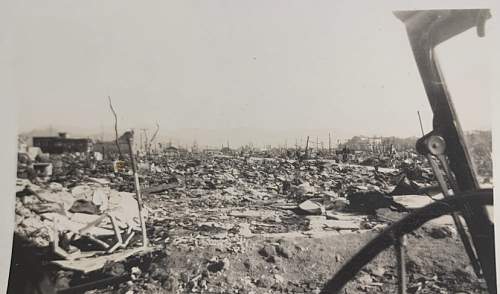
(249, 147)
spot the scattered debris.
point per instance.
(234, 212)
(312, 207)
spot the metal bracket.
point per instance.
(433, 146)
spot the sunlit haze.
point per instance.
(262, 72)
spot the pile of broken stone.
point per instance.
(45, 209)
(218, 201)
(212, 200)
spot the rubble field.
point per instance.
(221, 224)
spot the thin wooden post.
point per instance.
(130, 140)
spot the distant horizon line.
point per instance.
(218, 140)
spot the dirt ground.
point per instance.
(302, 265)
(229, 225)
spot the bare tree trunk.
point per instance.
(116, 128)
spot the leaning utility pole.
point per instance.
(329, 143)
(307, 147)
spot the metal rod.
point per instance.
(420, 120)
(130, 140)
(400, 257)
(474, 259)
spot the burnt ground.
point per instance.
(227, 225)
(435, 263)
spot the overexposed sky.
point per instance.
(216, 65)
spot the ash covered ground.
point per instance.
(232, 224)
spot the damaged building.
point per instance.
(63, 144)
